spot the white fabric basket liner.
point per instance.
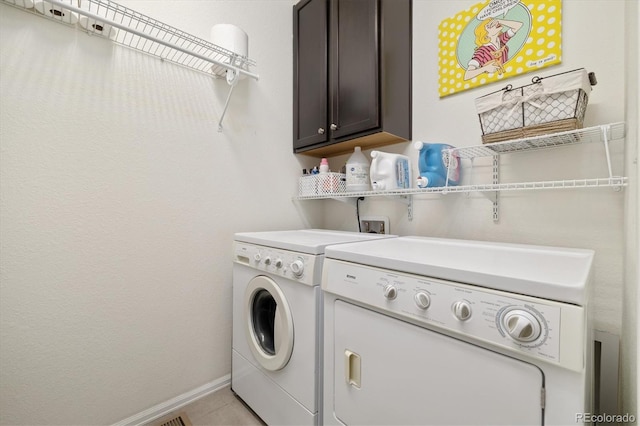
(565, 82)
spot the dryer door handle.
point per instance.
(352, 368)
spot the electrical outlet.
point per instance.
(374, 224)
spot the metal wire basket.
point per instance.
(549, 104)
(322, 184)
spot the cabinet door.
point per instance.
(355, 70)
(310, 73)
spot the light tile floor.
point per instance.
(220, 408)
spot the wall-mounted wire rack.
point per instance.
(597, 134)
(142, 33)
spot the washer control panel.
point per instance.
(530, 326)
(301, 267)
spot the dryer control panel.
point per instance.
(301, 267)
(532, 327)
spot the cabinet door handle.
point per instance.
(334, 127)
(321, 131)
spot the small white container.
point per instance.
(324, 166)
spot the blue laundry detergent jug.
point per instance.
(432, 165)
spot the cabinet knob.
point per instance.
(321, 131)
(334, 127)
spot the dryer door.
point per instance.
(269, 324)
(391, 372)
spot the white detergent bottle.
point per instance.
(357, 172)
(389, 171)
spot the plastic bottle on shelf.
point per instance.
(433, 160)
(358, 172)
(390, 171)
(328, 183)
(324, 166)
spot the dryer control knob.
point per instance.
(390, 292)
(257, 257)
(521, 325)
(422, 300)
(297, 267)
(278, 263)
(461, 310)
(267, 260)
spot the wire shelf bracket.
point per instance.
(147, 35)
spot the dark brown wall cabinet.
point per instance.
(352, 75)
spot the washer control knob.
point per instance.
(267, 260)
(257, 257)
(390, 292)
(278, 263)
(461, 310)
(521, 325)
(297, 267)
(422, 300)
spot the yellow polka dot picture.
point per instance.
(497, 39)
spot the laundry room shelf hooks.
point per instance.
(142, 33)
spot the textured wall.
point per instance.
(119, 197)
(631, 293)
(579, 218)
(119, 202)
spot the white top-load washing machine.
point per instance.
(277, 328)
(436, 331)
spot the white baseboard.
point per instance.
(176, 403)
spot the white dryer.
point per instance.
(277, 327)
(434, 332)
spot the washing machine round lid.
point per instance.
(269, 323)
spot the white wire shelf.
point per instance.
(598, 134)
(134, 30)
(614, 182)
(571, 137)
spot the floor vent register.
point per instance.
(179, 420)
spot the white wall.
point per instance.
(119, 197)
(631, 295)
(588, 218)
(119, 202)
(579, 218)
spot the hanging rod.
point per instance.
(145, 34)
